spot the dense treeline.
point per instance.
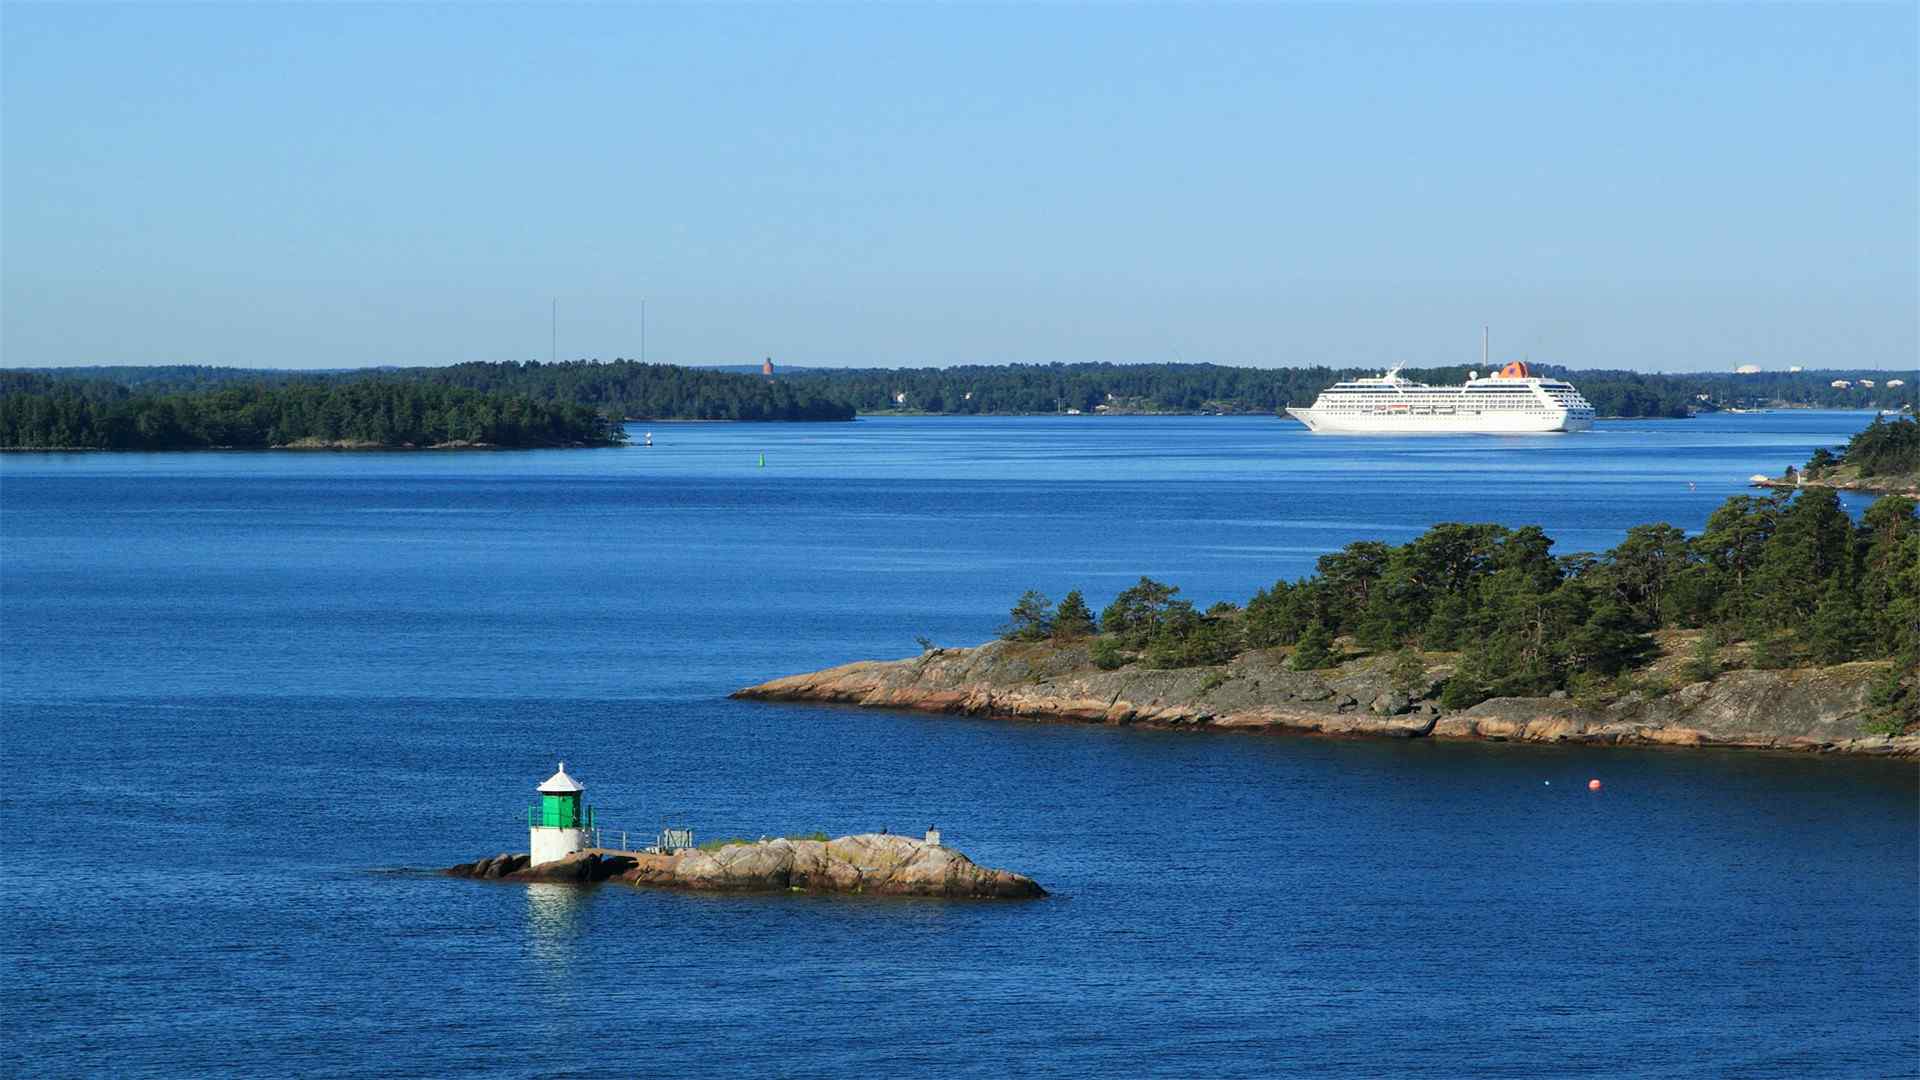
(1794, 578)
(621, 388)
(102, 382)
(1048, 388)
(388, 413)
(1882, 448)
(651, 391)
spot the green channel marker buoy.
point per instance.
(763, 459)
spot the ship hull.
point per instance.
(1437, 423)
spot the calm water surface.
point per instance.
(246, 697)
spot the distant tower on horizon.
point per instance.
(766, 367)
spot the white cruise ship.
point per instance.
(1511, 401)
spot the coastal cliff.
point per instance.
(880, 864)
(1810, 709)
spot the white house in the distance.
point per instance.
(1841, 384)
(1747, 369)
(1868, 383)
(1891, 383)
(1795, 367)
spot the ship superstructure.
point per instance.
(1511, 401)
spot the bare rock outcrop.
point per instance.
(581, 868)
(1820, 709)
(873, 863)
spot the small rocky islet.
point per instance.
(1808, 709)
(876, 864)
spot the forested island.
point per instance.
(502, 405)
(621, 389)
(1784, 623)
(1883, 457)
(362, 414)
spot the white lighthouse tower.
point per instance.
(558, 826)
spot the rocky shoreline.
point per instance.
(876, 864)
(1842, 479)
(1813, 709)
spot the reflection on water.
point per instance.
(554, 924)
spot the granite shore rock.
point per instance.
(1845, 478)
(876, 864)
(1813, 709)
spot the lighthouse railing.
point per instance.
(667, 841)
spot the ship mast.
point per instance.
(1483, 348)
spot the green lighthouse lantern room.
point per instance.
(558, 826)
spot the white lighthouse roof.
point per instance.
(560, 783)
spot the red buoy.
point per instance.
(1593, 785)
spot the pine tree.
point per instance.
(1895, 706)
(1314, 650)
(1609, 642)
(1073, 619)
(1889, 546)
(1276, 616)
(1031, 618)
(1450, 625)
(1838, 629)
(1704, 664)
(1136, 613)
(1812, 542)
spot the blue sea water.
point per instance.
(247, 699)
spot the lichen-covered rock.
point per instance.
(877, 863)
(1390, 704)
(1816, 709)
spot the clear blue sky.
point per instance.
(1658, 187)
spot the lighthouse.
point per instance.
(558, 826)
